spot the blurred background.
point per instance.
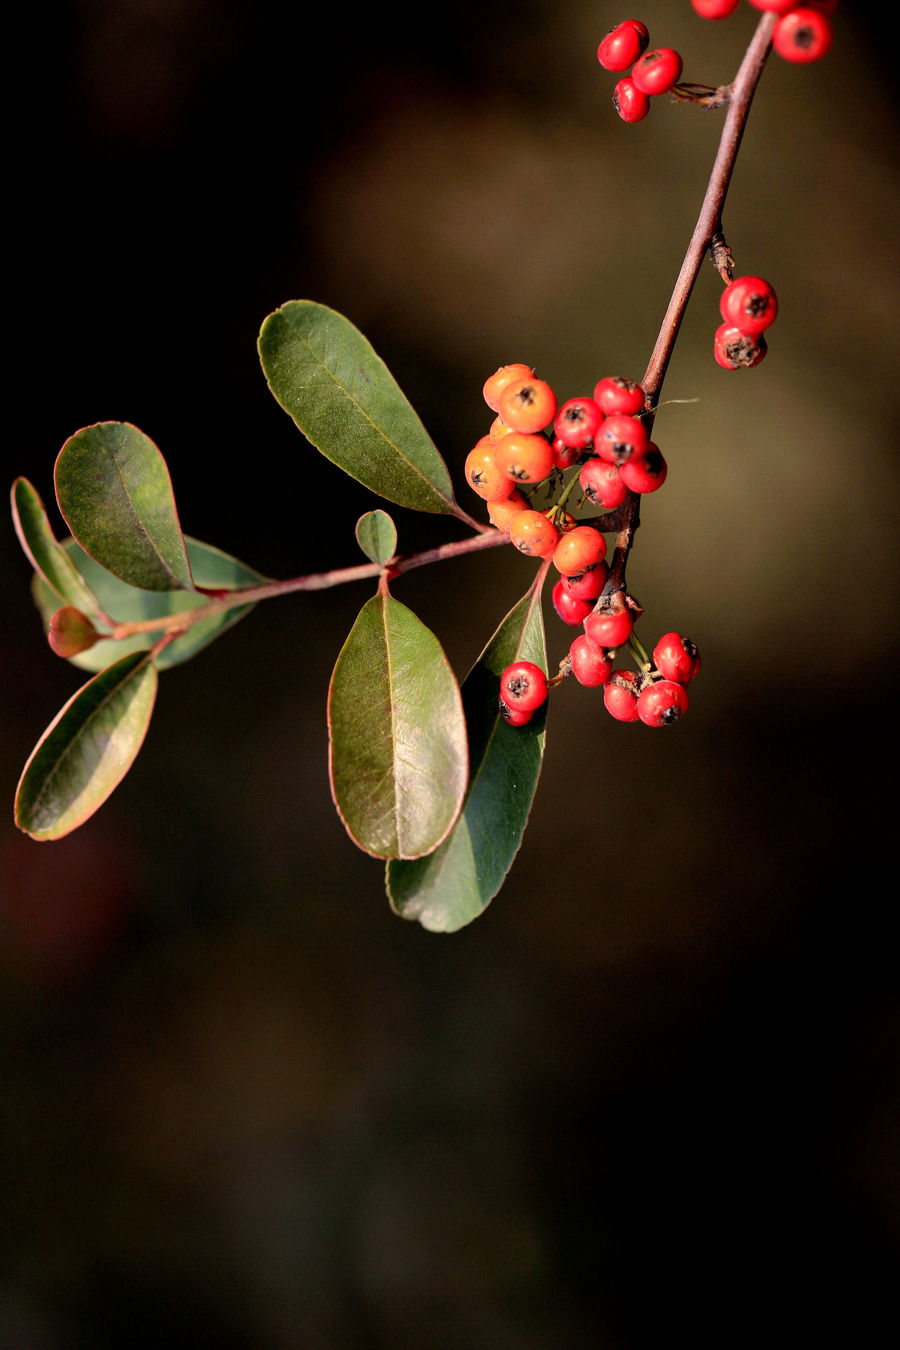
(655, 1087)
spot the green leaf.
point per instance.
(114, 491)
(212, 569)
(376, 535)
(342, 396)
(454, 885)
(46, 555)
(397, 737)
(87, 749)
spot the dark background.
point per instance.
(655, 1087)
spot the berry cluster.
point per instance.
(531, 447)
(802, 33)
(533, 442)
(652, 72)
(655, 695)
(748, 306)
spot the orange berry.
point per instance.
(581, 548)
(494, 386)
(527, 404)
(532, 533)
(499, 429)
(484, 475)
(524, 457)
(501, 513)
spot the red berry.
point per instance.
(532, 533)
(578, 549)
(615, 394)
(564, 456)
(496, 383)
(621, 438)
(524, 456)
(527, 405)
(588, 585)
(734, 349)
(750, 304)
(577, 422)
(623, 45)
(590, 664)
(523, 686)
(657, 71)
(715, 9)
(645, 474)
(610, 623)
(569, 607)
(601, 483)
(802, 35)
(676, 658)
(513, 717)
(620, 696)
(630, 103)
(661, 703)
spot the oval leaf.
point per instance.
(454, 885)
(342, 396)
(87, 749)
(212, 569)
(397, 737)
(376, 535)
(45, 553)
(114, 491)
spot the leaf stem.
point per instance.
(316, 581)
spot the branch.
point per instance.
(708, 228)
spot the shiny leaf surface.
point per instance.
(397, 738)
(455, 883)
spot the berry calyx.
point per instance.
(623, 45)
(802, 35)
(662, 703)
(523, 686)
(496, 383)
(750, 304)
(735, 350)
(676, 658)
(631, 103)
(527, 405)
(657, 71)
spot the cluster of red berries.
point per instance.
(532, 438)
(748, 306)
(655, 695)
(652, 73)
(802, 33)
